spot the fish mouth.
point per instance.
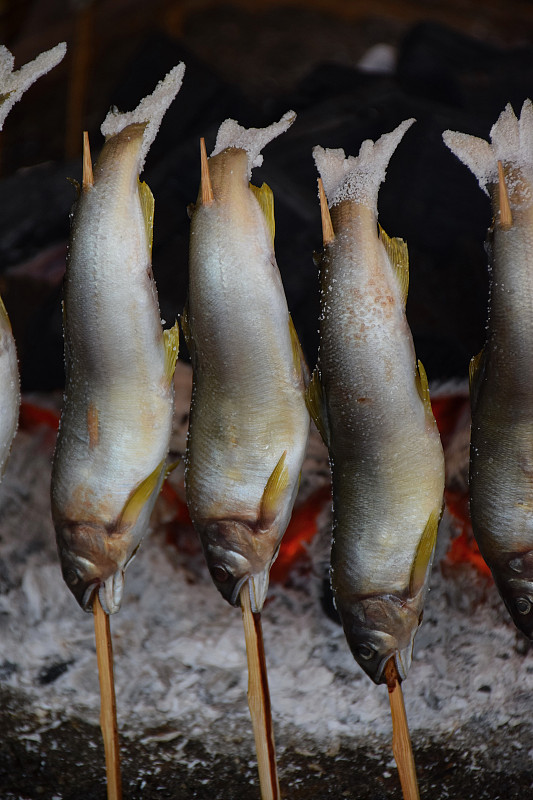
(403, 659)
(258, 588)
(110, 592)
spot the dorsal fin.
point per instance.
(424, 553)
(265, 198)
(397, 252)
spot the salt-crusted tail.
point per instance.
(14, 84)
(150, 110)
(358, 178)
(231, 134)
(511, 143)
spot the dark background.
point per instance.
(449, 64)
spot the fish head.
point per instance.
(237, 551)
(90, 563)
(378, 628)
(515, 584)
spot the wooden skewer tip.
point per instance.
(88, 178)
(108, 707)
(506, 217)
(206, 187)
(401, 740)
(259, 699)
(328, 234)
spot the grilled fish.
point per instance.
(12, 87)
(110, 458)
(370, 400)
(501, 376)
(249, 424)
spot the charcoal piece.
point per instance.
(52, 673)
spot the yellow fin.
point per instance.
(476, 370)
(399, 257)
(424, 553)
(4, 319)
(423, 388)
(298, 358)
(140, 496)
(265, 198)
(147, 205)
(314, 400)
(171, 338)
(275, 487)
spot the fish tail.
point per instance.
(253, 140)
(150, 111)
(358, 178)
(511, 144)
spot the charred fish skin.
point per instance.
(501, 387)
(13, 84)
(249, 424)
(370, 401)
(110, 457)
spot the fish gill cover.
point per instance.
(231, 134)
(511, 143)
(150, 110)
(359, 177)
(14, 84)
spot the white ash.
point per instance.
(180, 664)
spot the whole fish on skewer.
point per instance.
(501, 376)
(370, 401)
(249, 424)
(110, 458)
(12, 87)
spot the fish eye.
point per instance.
(220, 574)
(365, 651)
(523, 605)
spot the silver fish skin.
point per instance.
(372, 407)
(110, 457)
(501, 450)
(249, 424)
(13, 84)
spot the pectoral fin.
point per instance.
(424, 553)
(140, 496)
(265, 198)
(172, 342)
(397, 252)
(274, 489)
(315, 402)
(147, 205)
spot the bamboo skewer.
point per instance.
(259, 700)
(401, 740)
(108, 706)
